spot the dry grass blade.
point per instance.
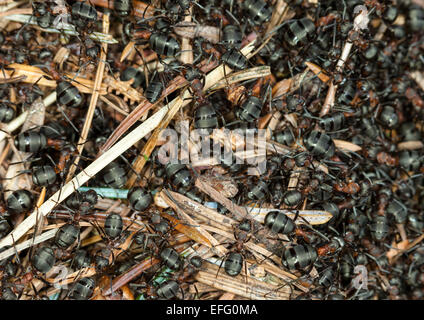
(16, 11)
(93, 102)
(124, 88)
(128, 50)
(113, 106)
(28, 243)
(141, 160)
(13, 79)
(252, 73)
(131, 274)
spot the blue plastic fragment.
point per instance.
(107, 192)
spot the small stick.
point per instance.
(252, 73)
